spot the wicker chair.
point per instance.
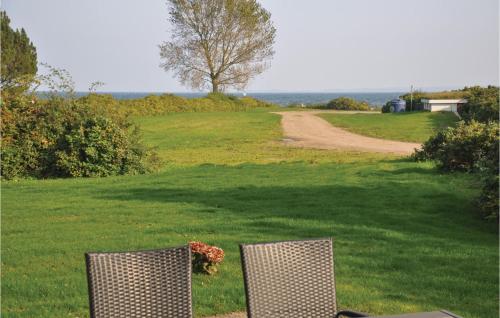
(292, 279)
(140, 284)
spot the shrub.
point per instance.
(97, 147)
(471, 147)
(462, 147)
(25, 137)
(65, 137)
(482, 104)
(488, 200)
(387, 107)
(345, 103)
(206, 258)
(489, 170)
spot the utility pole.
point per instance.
(411, 98)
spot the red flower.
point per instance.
(212, 254)
(198, 247)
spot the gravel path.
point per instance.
(304, 129)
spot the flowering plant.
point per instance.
(205, 257)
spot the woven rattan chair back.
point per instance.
(140, 284)
(289, 279)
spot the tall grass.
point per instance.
(169, 103)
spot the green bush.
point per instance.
(471, 147)
(489, 170)
(387, 107)
(488, 200)
(97, 147)
(462, 147)
(345, 103)
(482, 104)
(65, 137)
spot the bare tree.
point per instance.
(222, 43)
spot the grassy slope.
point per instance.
(407, 238)
(229, 139)
(416, 127)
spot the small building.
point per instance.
(443, 105)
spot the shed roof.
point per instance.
(445, 101)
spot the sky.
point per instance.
(321, 45)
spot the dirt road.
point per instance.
(304, 129)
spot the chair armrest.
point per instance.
(349, 313)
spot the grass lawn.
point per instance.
(230, 139)
(406, 237)
(415, 127)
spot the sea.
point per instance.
(283, 99)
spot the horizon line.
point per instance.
(370, 90)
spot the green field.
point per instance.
(415, 127)
(230, 139)
(407, 238)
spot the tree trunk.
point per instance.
(215, 85)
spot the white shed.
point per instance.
(446, 105)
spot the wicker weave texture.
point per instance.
(289, 279)
(140, 284)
